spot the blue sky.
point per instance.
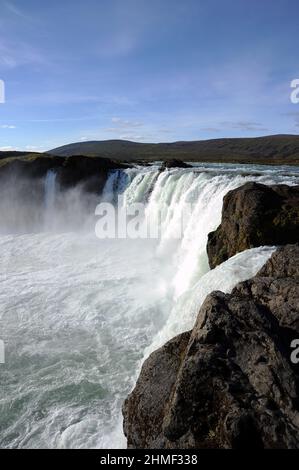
(149, 71)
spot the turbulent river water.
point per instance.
(78, 315)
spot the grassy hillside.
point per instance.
(7, 158)
(278, 149)
(271, 150)
(15, 154)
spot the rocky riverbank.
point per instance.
(255, 215)
(231, 382)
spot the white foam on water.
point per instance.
(223, 278)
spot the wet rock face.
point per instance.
(91, 172)
(229, 383)
(151, 395)
(255, 215)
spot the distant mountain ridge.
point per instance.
(276, 149)
(272, 150)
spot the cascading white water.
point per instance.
(50, 189)
(111, 186)
(223, 278)
(167, 196)
(50, 195)
(88, 310)
(116, 184)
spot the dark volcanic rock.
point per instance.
(23, 190)
(255, 215)
(159, 374)
(230, 383)
(89, 171)
(174, 164)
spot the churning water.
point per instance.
(78, 314)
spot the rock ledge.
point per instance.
(255, 215)
(229, 383)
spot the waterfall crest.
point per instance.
(166, 195)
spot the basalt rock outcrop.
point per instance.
(230, 382)
(255, 215)
(89, 171)
(168, 164)
(23, 189)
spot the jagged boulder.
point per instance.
(229, 383)
(255, 215)
(145, 409)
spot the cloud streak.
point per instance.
(14, 54)
(246, 126)
(12, 8)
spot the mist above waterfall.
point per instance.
(41, 204)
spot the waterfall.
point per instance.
(89, 311)
(141, 187)
(50, 196)
(50, 189)
(116, 183)
(166, 196)
(223, 278)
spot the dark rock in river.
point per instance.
(230, 382)
(174, 164)
(255, 215)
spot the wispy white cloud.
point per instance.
(120, 123)
(17, 53)
(64, 119)
(64, 97)
(7, 126)
(125, 27)
(240, 125)
(126, 123)
(35, 148)
(8, 148)
(132, 137)
(210, 129)
(125, 129)
(243, 125)
(15, 10)
(120, 44)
